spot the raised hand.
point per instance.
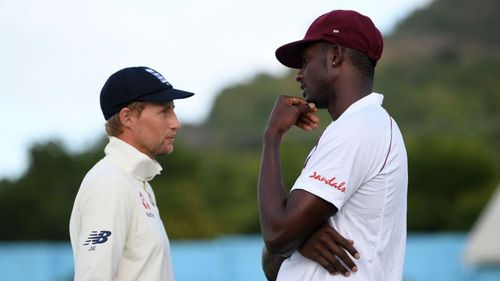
(289, 111)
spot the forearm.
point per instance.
(271, 189)
(272, 194)
(286, 219)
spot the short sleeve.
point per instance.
(345, 156)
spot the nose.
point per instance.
(173, 122)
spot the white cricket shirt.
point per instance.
(115, 227)
(360, 166)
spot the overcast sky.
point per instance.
(55, 55)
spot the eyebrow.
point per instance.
(169, 104)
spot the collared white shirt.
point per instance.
(360, 166)
(115, 227)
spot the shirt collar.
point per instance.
(371, 99)
(132, 160)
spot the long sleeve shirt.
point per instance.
(115, 227)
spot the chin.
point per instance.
(164, 151)
(309, 99)
(169, 149)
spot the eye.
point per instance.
(164, 110)
(168, 107)
(305, 60)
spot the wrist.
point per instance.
(272, 135)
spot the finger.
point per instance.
(307, 123)
(327, 265)
(330, 262)
(345, 243)
(295, 101)
(312, 117)
(341, 268)
(335, 254)
(312, 106)
(311, 122)
(346, 260)
(304, 126)
(340, 253)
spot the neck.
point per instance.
(347, 95)
(127, 137)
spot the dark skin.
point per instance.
(297, 220)
(322, 247)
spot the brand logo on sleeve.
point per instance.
(97, 237)
(329, 181)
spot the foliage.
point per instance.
(38, 205)
(450, 181)
(208, 192)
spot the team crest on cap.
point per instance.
(157, 75)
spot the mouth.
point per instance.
(303, 88)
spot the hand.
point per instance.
(308, 121)
(328, 248)
(289, 111)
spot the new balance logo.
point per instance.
(96, 237)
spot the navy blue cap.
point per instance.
(136, 84)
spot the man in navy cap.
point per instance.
(354, 181)
(115, 227)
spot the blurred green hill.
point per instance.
(439, 75)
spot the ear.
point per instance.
(336, 55)
(126, 117)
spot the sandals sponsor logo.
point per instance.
(331, 182)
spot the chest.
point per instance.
(146, 229)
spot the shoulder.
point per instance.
(105, 179)
(366, 124)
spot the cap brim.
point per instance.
(291, 54)
(166, 95)
(180, 94)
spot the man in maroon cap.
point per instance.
(354, 182)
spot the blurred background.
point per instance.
(439, 74)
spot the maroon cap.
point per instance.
(347, 28)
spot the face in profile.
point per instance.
(314, 76)
(155, 128)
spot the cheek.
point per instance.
(157, 124)
(151, 128)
